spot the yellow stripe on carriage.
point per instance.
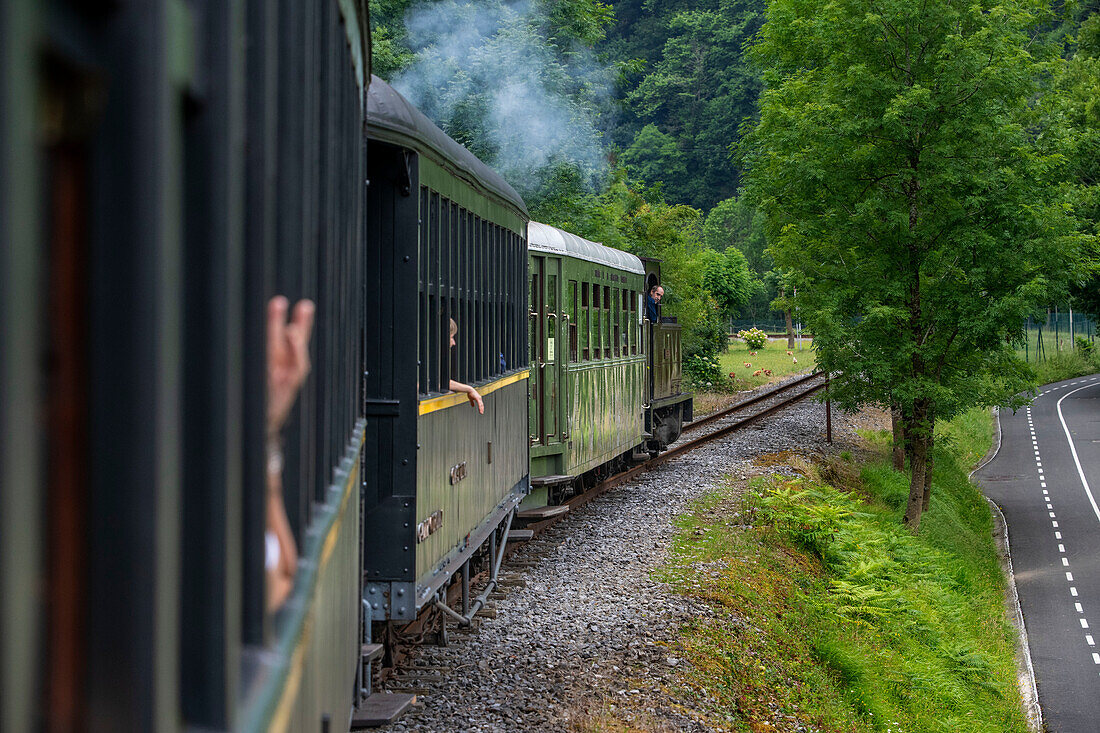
(457, 398)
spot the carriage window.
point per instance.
(437, 355)
(572, 305)
(615, 322)
(584, 322)
(605, 334)
(631, 326)
(624, 321)
(597, 333)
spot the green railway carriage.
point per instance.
(447, 236)
(166, 168)
(605, 382)
(587, 355)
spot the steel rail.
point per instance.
(622, 477)
(750, 401)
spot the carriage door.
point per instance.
(534, 339)
(545, 350)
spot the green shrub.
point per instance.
(1083, 345)
(754, 337)
(704, 373)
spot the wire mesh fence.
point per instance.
(1060, 330)
(776, 328)
(772, 326)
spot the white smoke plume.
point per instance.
(486, 75)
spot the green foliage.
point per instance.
(735, 222)
(1072, 125)
(707, 335)
(830, 615)
(810, 516)
(753, 337)
(684, 112)
(1084, 345)
(726, 277)
(655, 157)
(704, 373)
(914, 258)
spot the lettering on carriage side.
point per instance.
(458, 473)
(425, 528)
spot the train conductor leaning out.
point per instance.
(652, 300)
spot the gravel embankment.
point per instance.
(581, 623)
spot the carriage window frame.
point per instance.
(634, 298)
(470, 269)
(572, 303)
(615, 319)
(585, 320)
(606, 331)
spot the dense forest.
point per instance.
(910, 180)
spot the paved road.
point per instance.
(1046, 479)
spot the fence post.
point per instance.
(828, 413)
(1057, 331)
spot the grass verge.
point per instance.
(1067, 365)
(827, 614)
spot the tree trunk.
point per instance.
(918, 464)
(790, 329)
(897, 426)
(930, 463)
(917, 442)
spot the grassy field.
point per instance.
(772, 357)
(826, 613)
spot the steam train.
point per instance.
(160, 180)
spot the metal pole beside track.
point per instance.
(828, 413)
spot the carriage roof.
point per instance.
(545, 238)
(392, 118)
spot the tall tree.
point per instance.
(907, 200)
(726, 277)
(1075, 102)
(696, 91)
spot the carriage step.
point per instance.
(372, 652)
(520, 535)
(381, 708)
(552, 480)
(543, 512)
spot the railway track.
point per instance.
(723, 423)
(727, 421)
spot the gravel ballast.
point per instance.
(581, 626)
